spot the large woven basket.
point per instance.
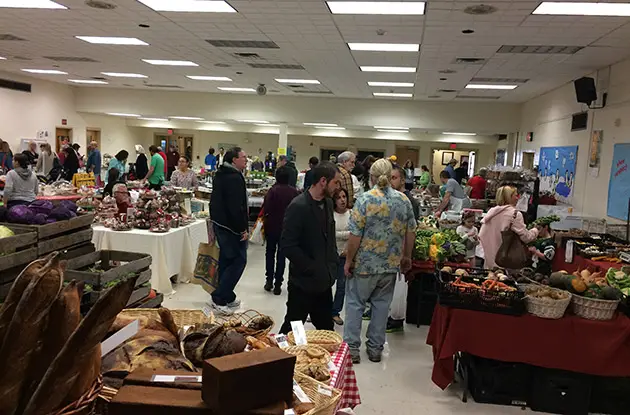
(327, 339)
(547, 307)
(85, 404)
(300, 351)
(181, 317)
(324, 405)
(594, 309)
(245, 318)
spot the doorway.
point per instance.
(183, 143)
(528, 160)
(442, 157)
(407, 153)
(93, 134)
(62, 136)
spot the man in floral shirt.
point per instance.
(382, 232)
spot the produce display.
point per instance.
(58, 188)
(40, 212)
(438, 246)
(538, 291)
(619, 279)
(544, 221)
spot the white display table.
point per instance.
(173, 253)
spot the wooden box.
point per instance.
(131, 263)
(19, 249)
(244, 381)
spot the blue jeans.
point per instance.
(340, 290)
(379, 291)
(232, 261)
(275, 261)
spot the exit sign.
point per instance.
(169, 132)
(452, 146)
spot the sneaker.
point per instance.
(374, 356)
(268, 286)
(367, 315)
(338, 320)
(222, 309)
(277, 290)
(236, 304)
(356, 358)
(395, 326)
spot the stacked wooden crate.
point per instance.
(15, 253)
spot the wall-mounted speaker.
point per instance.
(585, 90)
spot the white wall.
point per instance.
(549, 117)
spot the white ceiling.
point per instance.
(309, 35)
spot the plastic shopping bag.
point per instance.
(207, 267)
(258, 236)
(398, 309)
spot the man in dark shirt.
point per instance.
(308, 177)
(276, 201)
(172, 159)
(461, 172)
(308, 241)
(31, 154)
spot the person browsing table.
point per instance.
(155, 176)
(184, 176)
(21, 184)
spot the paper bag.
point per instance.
(207, 267)
(258, 236)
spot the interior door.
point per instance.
(62, 135)
(407, 153)
(528, 160)
(93, 134)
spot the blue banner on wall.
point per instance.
(619, 185)
(557, 171)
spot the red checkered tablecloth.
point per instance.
(344, 378)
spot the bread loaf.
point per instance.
(87, 375)
(63, 372)
(23, 334)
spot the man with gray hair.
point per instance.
(346, 161)
(450, 168)
(478, 184)
(285, 163)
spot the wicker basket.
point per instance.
(300, 351)
(594, 309)
(85, 404)
(245, 318)
(327, 339)
(324, 405)
(181, 317)
(547, 307)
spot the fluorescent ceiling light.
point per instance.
(376, 7)
(393, 69)
(380, 127)
(393, 131)
(212, 122)
(179, 117)
(583, 9)
(459, 133)
(2, 58)
(31, 4)
(320, 124)
(122, 114)
(267, 125)
(154, 119)
(394, 84)
(198, 6)
(45, 71)
(254, 121)
(230, 89)
(209, 78)
(298, 81)
(113, 40)
(385, 47)
(489, 86)
(331, 128)
(87, 81)
(392, 94)
(166, 62)
(124, 75)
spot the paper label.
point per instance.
(568, 253)
(299, 333)
(207, 311)
(289, 412)
(299, 393)
(180, 379)
(120, 337)
(324, 390)
(331, 366)
(282, 341)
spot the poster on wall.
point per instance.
(557, 171)
(619, 185)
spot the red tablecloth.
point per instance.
(570, 343)
(344, 379)
(581, 263)
(429, 266)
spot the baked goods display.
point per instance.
(312, 360)
(327, 339)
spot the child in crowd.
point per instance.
(469, 235)
(543, 249)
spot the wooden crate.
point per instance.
(63, 234)
(18, 250)
(139, 293)
(154, 302)
(132, 263)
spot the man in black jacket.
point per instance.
(229, 215)
(283, 161)
(308, 241)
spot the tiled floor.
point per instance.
(400, 385)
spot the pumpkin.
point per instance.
(578, 285)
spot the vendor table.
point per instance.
(571, 343)
(344, 378)
(59, 198)
(579, 262)
(173, 252)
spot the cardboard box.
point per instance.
(248, 380)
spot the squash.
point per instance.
(557, 280)
(610, 293)
(577, 285)
(585, 273)
(461, 272)
(448, 270)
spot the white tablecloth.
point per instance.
(173, 253)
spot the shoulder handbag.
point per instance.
(512, 253)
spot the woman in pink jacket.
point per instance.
(499, 219)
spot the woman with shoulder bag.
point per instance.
(494, 226)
